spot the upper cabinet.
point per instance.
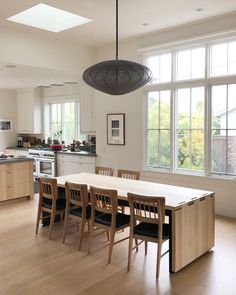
(29, 111)
(87, 119)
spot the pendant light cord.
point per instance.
(116, 29)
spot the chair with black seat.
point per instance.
(128, 174)
(49, 202)
(105, 202)
(147, 223)
(104, 171)
(77, 208)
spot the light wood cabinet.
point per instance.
(73, 164)
(29, 111)
(87, 116)
(16, 180)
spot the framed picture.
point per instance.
(116, 129)
(5, 125)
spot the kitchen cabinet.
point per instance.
(29, 111)
(87, 116)
(17, 152)
(16, 180)
(72, 164)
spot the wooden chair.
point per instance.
(129, 174)
(104, 171)
(104, 201)
(49, 202)
(77, 208)
(147, 216)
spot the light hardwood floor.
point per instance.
(32, 265)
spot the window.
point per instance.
(190, 64)
(223, 59)
(190, 128)
(223, 133)
(160, 66)
(159, 129)
(64, 116)
(191, 116)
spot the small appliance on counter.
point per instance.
(20, 142)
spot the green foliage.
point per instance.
(190, 143)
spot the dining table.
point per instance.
(189, 212)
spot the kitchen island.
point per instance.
(16, 178)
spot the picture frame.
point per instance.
(116, 129)
(6, 125)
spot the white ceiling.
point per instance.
(158, 14)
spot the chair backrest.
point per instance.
(147, 209)
(129, 174)
(104, 171)
(104, 200)
(77, 194)
(48, 188)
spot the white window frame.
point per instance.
(207, 82)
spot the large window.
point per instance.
(64, 117)
(191, 114)
(159, 129)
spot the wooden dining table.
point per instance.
(190, 212)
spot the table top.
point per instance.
(175, 196)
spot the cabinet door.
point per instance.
(28, 111)
(3, 183)
(86, 110)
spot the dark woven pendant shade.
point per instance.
(117, 77)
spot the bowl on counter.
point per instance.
(56, 147)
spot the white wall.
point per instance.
(25, 49)
(131, 155)
(8, 111)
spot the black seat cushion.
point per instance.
(78, 211)
(121, 219)
(61, 204)
(123, 203)
(151, 230)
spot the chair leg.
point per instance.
(107, 232)
(146, 246)
(158, 260)
(65, 228)
(90, 237)
(136, 245)
(112, 236)
(38, 219)
(51, 223)
(81, 232)
(38, 215)
(130, 251)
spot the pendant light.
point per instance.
(117, 76)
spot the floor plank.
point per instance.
(34, 265)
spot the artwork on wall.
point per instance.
(116, 129)
(5, 125)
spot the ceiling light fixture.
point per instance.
(117, 77)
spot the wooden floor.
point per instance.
(34, 265)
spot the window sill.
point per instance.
(187, 174)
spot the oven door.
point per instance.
(46, 167)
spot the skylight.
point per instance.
(48, 18)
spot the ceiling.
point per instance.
(136, 17)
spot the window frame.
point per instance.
(207, 82)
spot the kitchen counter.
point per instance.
(15, 160)
(79, 153)
(18, 148)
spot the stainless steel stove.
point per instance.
(44, 162)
